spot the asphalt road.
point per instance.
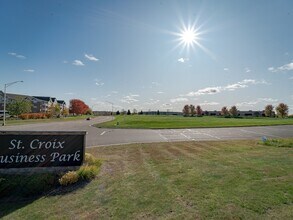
(101, 136)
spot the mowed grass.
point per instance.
(160, 121)
(187, 180)
(48, 120)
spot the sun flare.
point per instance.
(188, 37)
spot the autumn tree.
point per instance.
(186, 110)
(224, 111)
(269, 111)
(282, 110)
(233, 111)
(78, 107)
(192, 110)
(65, 111)
(198, 110)
(19, 106)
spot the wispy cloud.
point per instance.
(231, 87)
(183, 60)
(29, 70)
(78, 63)
(226, 69)
(205, 91)
(69, 93)
(257, 101)
(247, 70)
(17, 55)
(152, 102)
(286, 67)
(99, 82)
(181, 99)
(209, 103)
(129, 99)
(291, 78)
(160, 92)
(91, 57)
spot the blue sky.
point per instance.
(129, 52)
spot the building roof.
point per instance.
(61, 102)
(44, 98)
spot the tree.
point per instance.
(78, 107)
(269, 111)
(89, 111)
(233, 111)
(186, 110)
(140, 113)
(224, 111)
(282, 110)
(65, 111)
(192, 110)
(158, 112)
(198, 110)
(19, 106)
(118, 112)
(134, 111)
(128, 112)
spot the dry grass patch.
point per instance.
(188, 180)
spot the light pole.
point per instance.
(112, 106)
(4, 106)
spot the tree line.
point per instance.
(23, 109)
(281, 111)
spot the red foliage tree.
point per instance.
(78, 107)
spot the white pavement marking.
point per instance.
(189, 138)
(253, 132)
(213, 136)
(103, 132)
(162, 136)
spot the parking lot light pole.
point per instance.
(4, 104)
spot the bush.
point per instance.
(91, 160)
(69, 178)
(88, 172)
(33, 116)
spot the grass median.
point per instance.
(161, 122)
(187, 180)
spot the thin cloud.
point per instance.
(247, 70)
(99, 83)
(160, 92)
(19, 56)
(91, 57)
(179, 100)
(226, 69)
(255, 102)
(129, 99)
(205, 91)
(286, 67)
(209, 103)
(69, 93)
(78, 63)
(231, 87)
(183, 60)
(29, 70)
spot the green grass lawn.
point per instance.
(158, 121)
(33, 121)
(187, 180)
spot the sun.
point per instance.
(188, 37)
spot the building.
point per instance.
(40, 104)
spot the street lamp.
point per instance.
(112, 106)
(4, 107)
